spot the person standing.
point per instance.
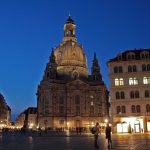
(108, 135)
(96, 132)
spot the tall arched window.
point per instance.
(134, 68)
(148, 67)
(143, 67)
(61, 100)
(129, 68)
(123, 109)
(117, 95)
(147, 108)
(118, 109)
(138, 108)
(115, 69)
(133, 109)
(132, 94)
(146, 93)
(120, 69)
(116, 82)
(122, 95)
(77, 100)
(136, 94)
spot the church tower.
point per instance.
(96, 75)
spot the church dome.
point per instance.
(70, 56)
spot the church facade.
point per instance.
(67, 96)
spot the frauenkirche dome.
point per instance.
(70, 57)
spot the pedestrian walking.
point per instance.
(108, 135)
(96, 132)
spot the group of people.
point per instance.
(107, 133)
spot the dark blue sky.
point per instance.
(29, 29)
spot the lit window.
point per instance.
(121, 82)
(133, 81)
(92, 103)
(146, 80)
(116, 82)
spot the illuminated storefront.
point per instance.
(133, 124)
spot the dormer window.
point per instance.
(130, 56)
(144, 55)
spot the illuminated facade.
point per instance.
(68, 96)
(5, 113)
(27, 119)
(129, 74)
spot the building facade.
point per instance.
(129, 74)
(68, 96)
(5, 113)
(27, 119)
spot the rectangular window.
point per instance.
(133, 81)
(146, 80)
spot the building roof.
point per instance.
(137, 55)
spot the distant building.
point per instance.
(5, 113)
(27, 119)
(68, 97)
(129, 74)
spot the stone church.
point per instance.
(67, 96)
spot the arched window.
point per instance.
(134, 68)
(115, 69)
(123, 109)
(136, 94)
(122, 95)
(118, 109)
(77, 100)
(120, 69)
(148, 67)
(132, 94)
(129, 68)
(143, 67)
(133, 109)
(146, 93)
(61, 100)
(147, 108)
(117, 95)
(138, 108)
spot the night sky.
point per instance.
(29, 29)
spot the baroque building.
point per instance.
(129, 74)
(68, 96)
(5, 113)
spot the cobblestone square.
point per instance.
(28, 141)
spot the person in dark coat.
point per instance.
(108, 135)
